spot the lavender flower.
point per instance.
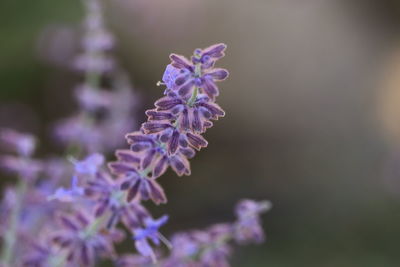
(96, 42)
(106, 193)
(23, 144)
(212, 246)
(25, 168)
(82, 240)
(135, 181)
(248, 226)
(198, 72)
(86, 131)
(149, 232)
(174, 127)
(89, 165)
(91, 99)
(68, 195)
(85, 224)
(129, 260)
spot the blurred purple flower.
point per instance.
(68, 195)
(94, 64)
(149, 232)
(25, 168)
(81, 242)
(92, 99)
(90, 165)
(23, 144)
(248, 226)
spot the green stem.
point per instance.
(10, 238)
(197, 73)
(93, 228)
(193, 97)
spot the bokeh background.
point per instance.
(313, 107)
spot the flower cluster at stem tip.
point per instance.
(175, 126)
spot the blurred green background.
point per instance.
(312, 112)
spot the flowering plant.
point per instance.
(45, 222)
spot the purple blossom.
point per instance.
(98, 40)
(85, 224)
(136, 181)
(94, 64)
(68, 195)
(92, 99)
(170, 75)
(196, 117)
(81, 242)
(25, 168)
(89, 165)
(209, 247)
(130, 260)
(77, 130)
(155, 155)
(199, 72)
(150, 231)
(248, 226)
(106, 193)
(21, 143)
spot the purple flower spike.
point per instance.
(68, 195)
(248, 228)
(26, 168)
(142, 235)
(23, 144)
(89, 165)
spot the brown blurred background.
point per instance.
(313, 107)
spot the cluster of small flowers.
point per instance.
(174, 127)
(79, 224)
(47, 223)
(212, 246)
(96, 42)
(24, 208)
(102, 109)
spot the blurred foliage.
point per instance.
(21, 22)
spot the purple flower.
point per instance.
(108, 196)
(21, 143)
(89, 165)
(173, 136)
(129, 260)
(152, 154)
(76, 130)
(98, 40)
(94, 64)
(38, 254)
(150, 231)
(198, 72)
(24, 167)
(248, 226)
(81, 242)
(135, 181)
(195, 118)
(170, 75)
(201, 248)
(92, 99)
(185, 246)
(68, 195)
